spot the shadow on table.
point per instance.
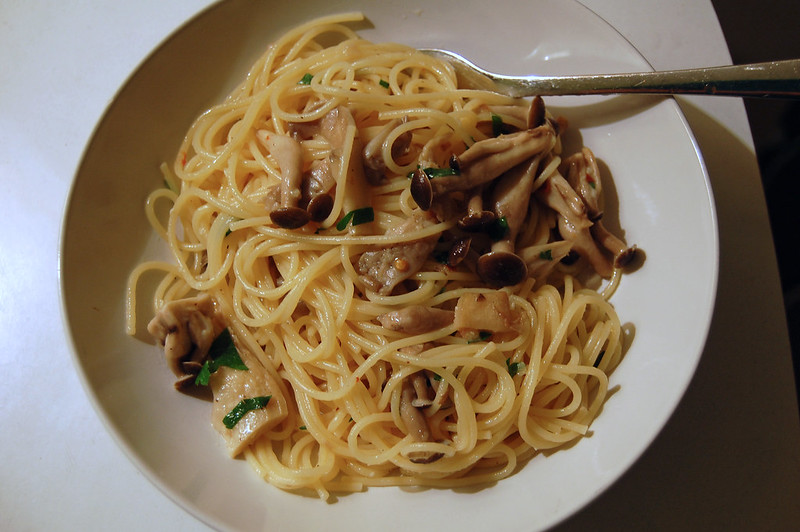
(698, 474)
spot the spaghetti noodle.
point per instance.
(335, 214)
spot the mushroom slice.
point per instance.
(416, 425)
(289, 156)
(510, 201)
(339, 129)
(500, 268)
(485, 311)
(583, 174)
(537, 114)
(186, 328)
(477, 218)
(229, 387)
(416, 319)
(383, 269)
(487, 159)
(573, 222)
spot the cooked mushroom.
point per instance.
(186, 328)
(583, 174)
(416, 319)
(339, 129)
(459, 251)
(477, 218)
(537, 114)
(487, 159)
(416, 425)
(500, 268)
(374, 164)
(229, 387)
(485, 311)
(510, 201)
(573, 221)
(383, 269)
(289, 156)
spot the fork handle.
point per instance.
(776, 79)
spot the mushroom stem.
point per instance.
(289, 156)
(477, 218)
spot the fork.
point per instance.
(775, 79)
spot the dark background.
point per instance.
(765, 30)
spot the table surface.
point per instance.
(728, 458)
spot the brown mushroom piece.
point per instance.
(537, 114)
(229, 387)
(573, 222)
(374, 164)
(186, 328)
(289, 156)
(485, 311)
(416, 425)
(383, 269)
(511, 197)
(416, 319)
(583, 174)
(477, 218)
(338, 127)
(487, 159)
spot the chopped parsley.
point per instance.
(358, 216)
(306, 80)
(432, 172)
(222, 352)
(498, 127)
(245, 405)
(498, 229)
(514, 368)
(384, 84)
(546, 254)
(482, 337)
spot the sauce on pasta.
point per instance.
(397, 265)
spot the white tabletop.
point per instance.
(728, 459)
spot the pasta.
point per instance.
(397, 312)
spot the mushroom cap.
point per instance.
(476, 221)
(502, 268)
(320, 206)
(290, 217)
(459, 251)
(421, 189)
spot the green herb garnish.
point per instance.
(358, 216)
(498, 127)
(245, 405)
(498, 229)
(222, 352)
(306, 80)
(514, 367)
(436, 172)
(546, 254)
(482, 337)
(384, 84)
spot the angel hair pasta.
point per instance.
(379, 277)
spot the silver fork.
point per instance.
(776, 79)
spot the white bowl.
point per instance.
(664, 202)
